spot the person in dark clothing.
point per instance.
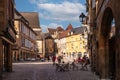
(48, 58)
(53, 59)
(86, 63)
(59, 59)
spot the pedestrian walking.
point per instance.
(80, 61)
(59, 59)
(53, 59)
(74, 65)
(48, 58)
(85, 64)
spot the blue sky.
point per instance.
(54, 13)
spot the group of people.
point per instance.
(84, 62)
(59, 59)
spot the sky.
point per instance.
(54, 13)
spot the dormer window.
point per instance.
(82, 35)
(71, 33)
(68, 33)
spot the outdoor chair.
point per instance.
(62, 67)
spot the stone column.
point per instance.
(117, 45)
(1, 58)
(102, 57)
(9, 58)
(118, 59)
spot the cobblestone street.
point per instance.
(44, 71)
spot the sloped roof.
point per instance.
(47, 36)
(78, 30)
(64, 34)
(32, 18)
(19, 16)
(51, 30)
(58, 29)
(69, 27)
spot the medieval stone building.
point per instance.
(25, 46)
(33, 19)
(49, 45)
(104, 37)
(7, 35)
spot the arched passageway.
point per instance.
(107, 46)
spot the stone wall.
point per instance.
(107, 10)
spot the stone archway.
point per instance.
(106, 45)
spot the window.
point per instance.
(22, 28)
(85, 53)
(79, 54)
(71, 33)
(112, 31)
(83, 42)
(80, 46)
(72, 47)
(23, 42)
(73, 54)
(80, 38)
(83, 46)
(85, 37)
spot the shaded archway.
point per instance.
(107, 45)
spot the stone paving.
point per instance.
(45, 71)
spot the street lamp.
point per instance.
(82, 17)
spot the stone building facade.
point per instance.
(49, 46)
(55, 33)
(33, 19)
(7, 35)
(25, 46)
(104, 48)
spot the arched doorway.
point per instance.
(107, 45)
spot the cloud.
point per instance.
(62, 11)
(54, 25)
(51, 25)
(65, 11)
(58, 11)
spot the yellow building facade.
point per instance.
(76, 42)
